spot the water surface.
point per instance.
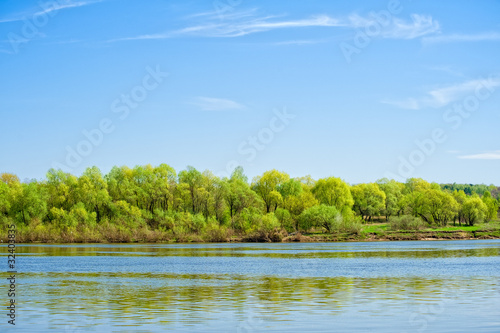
(440, 286)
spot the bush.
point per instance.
(348, 223)
(406, 222)
(248, 218)
(165, 220)
(216, 233)
(285, 219)
(197, 223)
(127, 215)
(268, 229)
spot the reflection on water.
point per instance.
(385, 286)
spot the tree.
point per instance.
(491, 206)
(333, 192)
(416, 185)
(192, 178)
(297, 204)
(290, 188)
(9, 178)
(460, 197)
(121, 185)
(61, 189)
(93, 191)
(474, 210)
(238, 194)
(439, 206)
(4, 198)
(393, 195)
(267, 187)
(28, 201)
(319, 216)
(369, 200)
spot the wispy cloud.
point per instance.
(67, 5)
(492, 155)
(299, 42)
(397, 28)
(446, 69)
(6, 51)
(216, 104)
(480, 37)
(250, 22)
(409, 103)
(440, 97)
(52, 7)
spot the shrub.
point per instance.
(215, 232)
(127, 215)
(268, 229)
(285, 219)
(321, 216)
(406, 222)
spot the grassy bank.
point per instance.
(381, 232)
(109, 233)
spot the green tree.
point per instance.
(266, 186)
(193, 179)
(438, 206)
(93, 191)
(4, 198)
(474, 210)
(369, 200)
(491, 206)
(238, 194)
(460, 197)
(393, 196)
(416, 185)
(321, 216)
(333, 192)
(61, 189)
(28, 201)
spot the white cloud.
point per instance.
(446, 69)
(249, 22)
(420, 25)
(440, 97)
(409, 103)
(493, 155)
(299, 42)
(53, 6)
(216, 104)
(485, 36)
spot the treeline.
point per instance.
(149, 203)
(470, 189)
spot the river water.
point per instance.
(421, 286)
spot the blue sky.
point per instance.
(354, 90)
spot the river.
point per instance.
(420, 286)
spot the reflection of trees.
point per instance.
(249, 251)
(118, 297)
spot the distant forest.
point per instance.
(157, 203)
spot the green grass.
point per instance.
(374, 228)
(378, 228)
(481, 226)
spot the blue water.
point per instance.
(422, 286)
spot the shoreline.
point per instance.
(314, 238)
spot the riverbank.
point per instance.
(397, 236)
(369, 232)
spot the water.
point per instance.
(444, 286)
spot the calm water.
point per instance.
(447, 286)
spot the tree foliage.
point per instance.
(153, 200)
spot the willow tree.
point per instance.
(333, 192)
(267, 187)
(369, 200)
